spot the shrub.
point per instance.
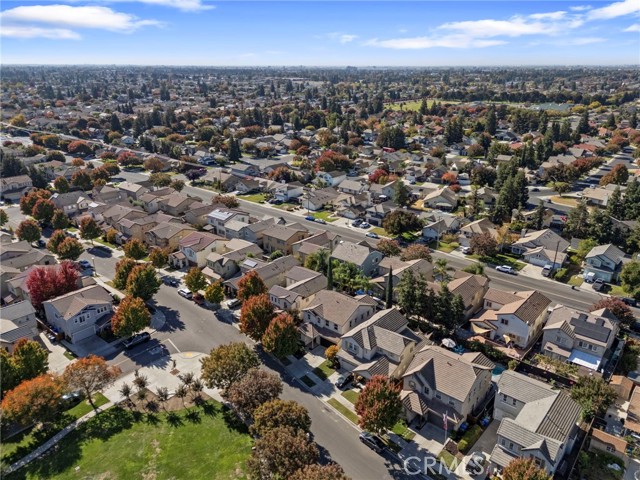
(469, 439)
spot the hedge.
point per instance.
(470, 437)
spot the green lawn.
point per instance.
(414, 106)
(343, 410)
(119, 444)
(256, 198)
(380, 231)
(351, 395)
(447, 458)
(106, 244)
(307, 381)
(401, 429)
(617, 291)
(576, 280)
(287, 206)
(69, 355)
(325, 215)
(17, 446)
(324, 370)
(446, 247)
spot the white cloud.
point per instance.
(184, 5)
(450, 41)
(347, 38)
(615, 10)
(583, 41)
(21, 31)
(91, 17)
(514, 27)
(548, 16)
(633, 28)
(580, 8)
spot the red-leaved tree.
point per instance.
(255, 316)
(379, 405)
(46, 282)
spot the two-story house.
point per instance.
(17, 322)
(375, 214)
(132, 190)
(286, 192)
(282, 237)
(113, 214)
(330, 314)
(331, 179)
(71, 203)
(194, 249)
(321, 240)
(536, 422)
(472, 289)
(513, 318)
(398, 267)
(318, 199)
(542, 247)
(219, 217)
(365, 258)
(605, 262)
(224, 263)
(477, 227)
(134, 226)
(353, 186)
(167, 235)
(176, 203)
(299, 285)
(443, 199)
(12, 188)
(438, 382)
(378, 345)
(579, 337)
(78, 314)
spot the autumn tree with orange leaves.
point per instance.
(90, 375)
(35, 400)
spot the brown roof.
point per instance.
(530, 307)
(282, 232)
(618, 443)
(336, 307)
(500, 296)
(623, 386)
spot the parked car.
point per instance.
(311, 218)
(546, 271)
(136, 340)
(372, 441)
(321, 221)
(171, 281)
(372, 235)
(535, 189)
(466, 250)
(85, 264)
(344, 380)
(71, 399)
(598, 284)
(186, 293)
(233, 303)
(506, 269)
(475, 465)
(364, 225)
(629, 301)
(41, 243)
(199, 299)
(357, 222)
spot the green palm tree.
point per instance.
(441, 270)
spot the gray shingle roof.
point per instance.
(523, 388)
(16, 311)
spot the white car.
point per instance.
(186, 293)
(466, 250)
(372, 235)
(506, 269)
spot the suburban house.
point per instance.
(282, 237)
(12, 188)
(397, 268)
(601, 441)
(112, 215)
(251, 232)
(223, 263)
(597, 196)
(330, 314)
(219, 217)
(71, 203)
(354, 187)
(107, 194)
(194, 249)
(378, 345)
(167, 235)
(385, 191)
(438, 224)
(605, 262)
(17, 321)
(299, 284)
(175, 203)
(81, 313)
(512, 318)
(272, 273)
(151, 198)
(198, 212)
(542, 247)
(321, 240)
(536, 421)
(375, 214)
(439, 383)
(442, 199)
(132, 190)
(365, 258)
(135, 226)
(21, 255)
(317, 199)
(579, 337)
(286, 192)
(472, 289)
(476, 228)
(331, 179)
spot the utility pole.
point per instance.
(553, 267)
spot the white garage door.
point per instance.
(82, 334)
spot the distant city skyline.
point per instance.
(324, 33)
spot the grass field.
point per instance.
(414, 106)
(380, 231)
(326, 216)
(343, 410)
(401, 429)
(256, 198)
(119, 444)
(571, 202)
(16, 447)
(500, 259)
(351, 395)
(106, 244)
(324, 370)
(445, 247)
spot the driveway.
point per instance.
(633, 470)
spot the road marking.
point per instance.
(173, 344)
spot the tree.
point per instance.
(593, 395)
(143, 282)
(56, 238)
(195, 280)
(228, 201)
(160, 179)
(35, 400)
(131, 317)
(28, 201)
(177, 185)
(401, 194)
(154, 164)
(524, 469)
(70, 249)
(619, 175)
(227, 364)
(281, 336)
(560, 187)
(577, 223)
(135, 249)
(82, 180)
(280, 453)
(617, 307)
(251, 285)
(256, 387)
(43, 210)
(400, 221)
(46, 282)
(329, 273)
(615, 206)
(584, 247)
(278, 413)
(379, 405)
(61, 184)
(59, 221)
(4, 218)
(89, 229)
(484, 244)
(111, 236)
(214, 293)
(90, 375)
(415, 251)
(441, 270)
(330, 471)
(389, 247)
(630, 278)
(29, 230)
(158, 257)
(332, 354)
(123, 269)
(256, 315)
(29, 359)
(348, 277)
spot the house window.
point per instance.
(502, 442)
(335, 326)
(504, 321)
(452, 403)
(511, 445)
(504, 398)
(513, 402)
(326, 323)
(610, 449)
(489, 305)
(426, 390)
(559, 340)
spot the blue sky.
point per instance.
(362, 33)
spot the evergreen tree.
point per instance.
(577, 224)
(491, 121)
(615, 206)
(583, 124)
(632, 200)
(329, 274)
(538, 217)
(389, 292)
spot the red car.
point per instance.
(199, 299)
